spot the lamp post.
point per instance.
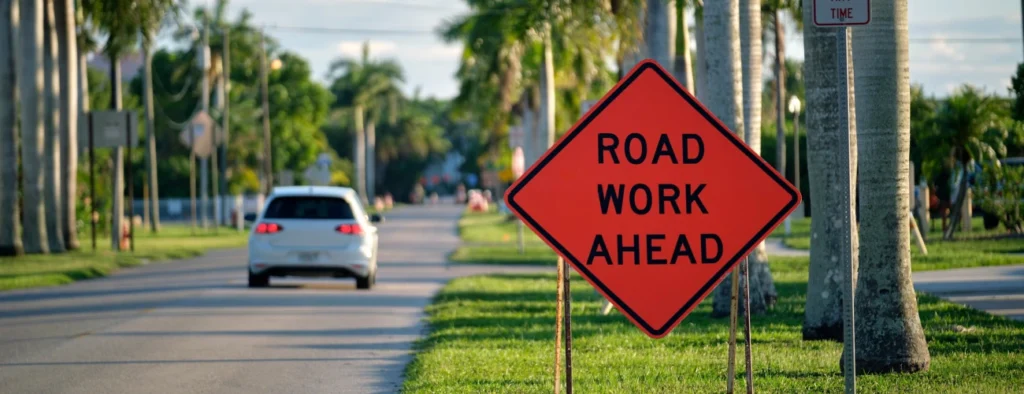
(794, 108)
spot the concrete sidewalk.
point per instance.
(996, 290)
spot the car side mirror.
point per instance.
(376, 218)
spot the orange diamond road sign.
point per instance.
(652, 199)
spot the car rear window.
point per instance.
(309, 207)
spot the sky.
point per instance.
(939, 58)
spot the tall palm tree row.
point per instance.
(10, 211)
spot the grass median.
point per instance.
(490, 238)
(493, 334)
(173, 242)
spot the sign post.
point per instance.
(831, 13)
(658, 200)
(518, 164)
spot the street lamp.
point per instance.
(794, 108)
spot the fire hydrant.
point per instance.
(125, 237)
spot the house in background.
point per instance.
(442, 176)
(131, 64)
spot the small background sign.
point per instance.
(842, 12)
(109, 129)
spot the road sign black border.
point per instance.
(672, 321)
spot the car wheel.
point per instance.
(364, 283)
(258, 280)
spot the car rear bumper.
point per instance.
(311, 271)
(339, 263)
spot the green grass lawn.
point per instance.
(494, 334)
(173, 242)
(962, 253)
(490, 238)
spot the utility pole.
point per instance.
(204, 162)
(268, 176)
(226, 116)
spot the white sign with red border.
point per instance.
(838, 13)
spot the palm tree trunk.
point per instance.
(721, 20)
(147, 98)
(10, 212)
(684, 64)
(659, 32)
(51, 124)
(359, 156)
(823, 317)
(30, 78)
(117, 216)
(780, 94)
(371, 160)
(762, 286)
(67, 44)
(700, 74)
(889, 333)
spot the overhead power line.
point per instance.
(997, 40)
(344, 30)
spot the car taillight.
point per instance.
(350, 229)
(268, 228)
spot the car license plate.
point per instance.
(306, 257)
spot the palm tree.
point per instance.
(823, 309)
(10, 213)
(30, 83)
(357, 84)
(889, 333)
(969, 131)
(774, 10)
(51, 124)
(149, 27)
(67, 46)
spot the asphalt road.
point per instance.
(194, 327)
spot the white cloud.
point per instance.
(942, 48)
(377, 48)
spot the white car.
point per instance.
(314, 231)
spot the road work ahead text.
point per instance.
(652, 199)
